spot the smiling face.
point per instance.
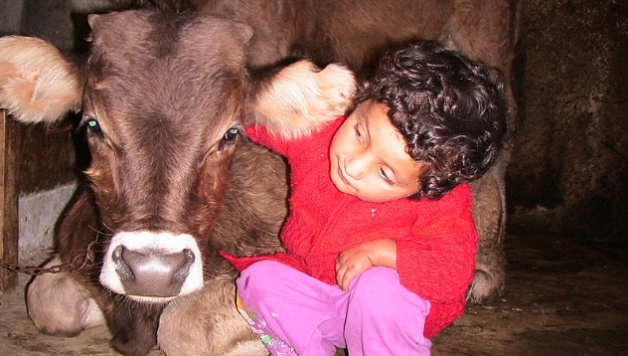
(369, 159)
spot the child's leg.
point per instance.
(384, 318)
(290, 309)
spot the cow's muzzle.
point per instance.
(151, 273)
(152, 267)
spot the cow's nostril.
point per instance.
(181, 274)
(152, 273)
(122, 268)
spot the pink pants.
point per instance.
(295, 314)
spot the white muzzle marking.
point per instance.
(145, 242)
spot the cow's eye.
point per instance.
(92, 125)
(231, 134)
(230, 138)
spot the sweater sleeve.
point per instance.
(260, 135)
(294, 148)
(438, 261)
(241, 263)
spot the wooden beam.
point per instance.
(9, 194)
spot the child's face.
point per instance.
(368, 157)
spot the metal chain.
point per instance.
(69, 267)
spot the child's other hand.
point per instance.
(353, 262)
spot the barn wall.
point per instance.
(569, 171)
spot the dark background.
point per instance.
(569, 171)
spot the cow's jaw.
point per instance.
(152, 267)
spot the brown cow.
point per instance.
(172, 181)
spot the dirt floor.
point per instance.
(561, 299)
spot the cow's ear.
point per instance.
(37, 83)
(301, 98)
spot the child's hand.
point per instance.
(353, 262)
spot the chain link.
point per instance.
(69, 267)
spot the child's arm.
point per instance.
(260, 135)
(438, 261)
(301, 98)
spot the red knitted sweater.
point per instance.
(436, 239)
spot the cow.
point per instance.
(172, 181)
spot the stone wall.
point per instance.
(569, 170)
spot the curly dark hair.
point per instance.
(449, 109)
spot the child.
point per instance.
(380, 244)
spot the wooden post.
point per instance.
(9, 193)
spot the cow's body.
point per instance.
(167, 186)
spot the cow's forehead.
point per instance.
(128, 39)
(175, 67)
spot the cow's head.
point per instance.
(163, 99)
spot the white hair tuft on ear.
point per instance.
(302, 98)
(37, 84)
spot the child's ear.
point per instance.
(301, 98)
